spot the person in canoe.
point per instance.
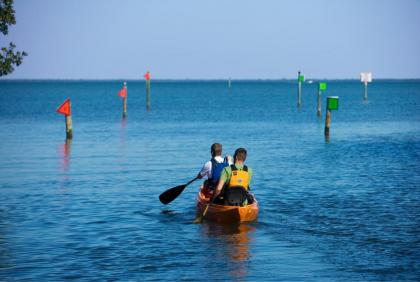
(233, 186)
(213, 169)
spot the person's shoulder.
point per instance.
(219, 159)
(227, 168)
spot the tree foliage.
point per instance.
(8, 57)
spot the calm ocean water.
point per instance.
(343, 210)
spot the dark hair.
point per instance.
(216, 149)
(240, 154)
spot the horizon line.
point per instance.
(197, 79)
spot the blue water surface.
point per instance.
(342, 209)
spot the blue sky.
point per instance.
(272, 39)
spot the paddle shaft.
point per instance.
(200, 218)
(191, 181)
(205, 210)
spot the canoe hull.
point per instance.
(226, 214)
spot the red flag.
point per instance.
(147, 76)
(123, 92)
(64, 108)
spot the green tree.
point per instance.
(8, 57)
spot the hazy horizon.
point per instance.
(200, 79)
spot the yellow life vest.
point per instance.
(239, 177)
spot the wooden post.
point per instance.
(332, 104)
(366, 92)
(318, 112)
(124, 114)
(299, 90)
(69, 127)
(322, 86)
(148, 95)
(147, 77)
(327, 123)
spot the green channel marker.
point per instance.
(299, 97)
(332, 103)
(323, 86)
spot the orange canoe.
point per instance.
(226, 214)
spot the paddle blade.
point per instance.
(198, 220)
(171, 194)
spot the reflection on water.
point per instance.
(65, 150)
(64, 156)
(231, 244)
(123, 124)
(327, 138)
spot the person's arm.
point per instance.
(219, 188)
(229, 159)
(250, 175)
(223, 179)
(205, 170)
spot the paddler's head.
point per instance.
(216, 150)
(240, 155)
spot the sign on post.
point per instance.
(301, 78)
(64, 108)
(147, 75)
(366, 77)
(332, 103)
(322, 86)
(123, 94)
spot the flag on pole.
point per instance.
(147, 76)
(123, 92)
(64, 108)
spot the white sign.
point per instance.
(366, 77)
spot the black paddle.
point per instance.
(171, 194)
